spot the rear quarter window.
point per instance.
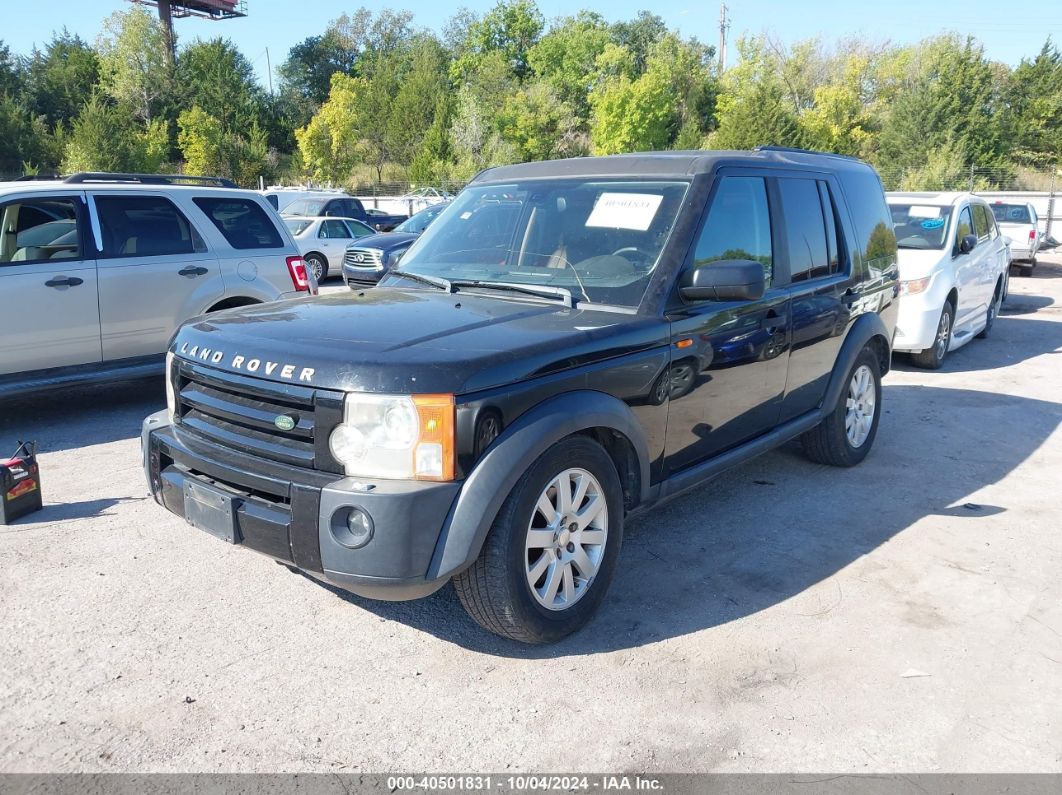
(243, 222)
(875, 237)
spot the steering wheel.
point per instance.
(627, 250)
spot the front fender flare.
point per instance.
(497, 472)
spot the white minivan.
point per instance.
(953, 272)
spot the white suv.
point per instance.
(98, 270)
(953, 272)
(1018, 221)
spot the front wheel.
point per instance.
(932, 358)
(846, 434)
(550, 554)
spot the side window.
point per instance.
(982, 226)
(964, 226)
(333, 230)
(738, 225)
(834, 244)
(139, 226)
(358, 229)
(37, 230)
(242, 221)
(805, 227)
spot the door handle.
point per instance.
(64, 281)
(192, 270)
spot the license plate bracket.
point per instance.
(212, 510)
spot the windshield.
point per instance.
(1012, 213)
(297, 225)
(600, 240)
(922, 226)
(306, 207)
(418, 222)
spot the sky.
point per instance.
(275, 25)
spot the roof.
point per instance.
(52, 185)
(942, 198)
(682, 164)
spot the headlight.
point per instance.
(171, 398)
(914, 286)
(396, 436)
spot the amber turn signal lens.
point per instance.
(433, 455)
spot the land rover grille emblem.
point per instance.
(284, 422)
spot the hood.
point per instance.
(388, 241)
(409, 341)
(918, 263)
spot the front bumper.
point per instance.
(360, 277)
(297, 516)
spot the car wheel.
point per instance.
(846, 435)
(1026, 268)
(933, 357)
(993, 312)
(318, 266)
(550, 554)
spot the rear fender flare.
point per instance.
(865, 328)
(504, 463)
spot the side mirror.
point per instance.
(725, 280)
(967, 244)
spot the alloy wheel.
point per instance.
(861, 405)
(566, 539)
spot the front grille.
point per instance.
(241, 413)
(367, 258)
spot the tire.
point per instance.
(496, 590)
(830, 442)
(318, 266)
(1026, 268)
(993, 312)
(932, 358)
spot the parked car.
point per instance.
(98, 270)
(1018, 222)
(342, 207)
(366, 262)
(323, 241)
(953, 272)
(280, 197)
(572, 341)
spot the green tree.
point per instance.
(638, 36)
(328, 145)
(58, 79)
(106, 137)
(133, 59)
(753, 108)
(633, 115)
(218, 78)
(10, 73)
(307, 72)
(1033, 116)
(24, 139)
(838, 120)
(200, 138)
(566, 58)
(511, 28)
(416, 100)
(538, 124)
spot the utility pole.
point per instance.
(724, 25)
(269, 73)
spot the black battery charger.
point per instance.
(20, 483)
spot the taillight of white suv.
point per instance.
(300, 276)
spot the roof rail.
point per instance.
(799, 150)
(150, 179)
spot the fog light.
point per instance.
(353, 527)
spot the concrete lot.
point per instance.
(902, 616)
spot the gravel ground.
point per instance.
(902, 616)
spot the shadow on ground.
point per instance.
(1014, 339)
(769, 530)
(73, 417)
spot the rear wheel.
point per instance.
(318, 266)
(1026, 268)
(846, 434)
(993, 311)
(933, 357)
(550, 554)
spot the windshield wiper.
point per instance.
(541, 291)
(433, 281)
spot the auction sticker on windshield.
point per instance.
(625, 210)
(923, 211)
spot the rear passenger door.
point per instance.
(818, 267)
(48, 305)
(155, 272)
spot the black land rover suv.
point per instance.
(570, 342)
